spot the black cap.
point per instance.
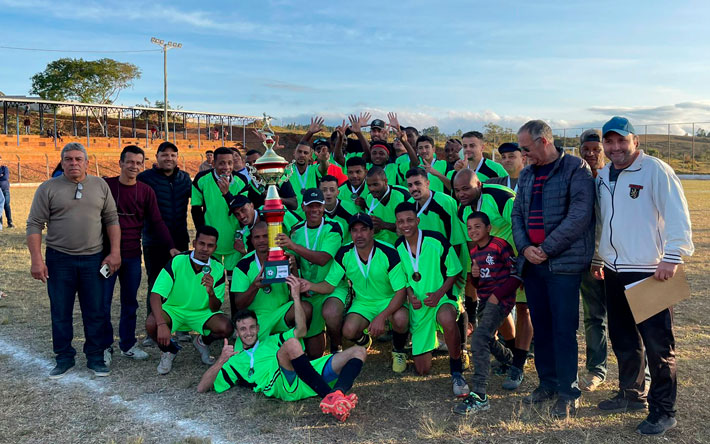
(167, 145)
(238, 201)
(313, 195)
(377, 123)
(360, 218)
(320, 142)
(508, 147)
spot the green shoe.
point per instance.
(472, 404)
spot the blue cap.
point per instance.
(508, 147)
(619, 125)
(360, 218)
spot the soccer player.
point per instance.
(188, 295)
(380, 205)
(304, 174)
(276, 365)
(337, 210)
(473, 146)
(432, 268)
(210, 208)
(494, 276)
(356, 187)
(270, 303)
(379, 285)
(314, 242)
(435, 169)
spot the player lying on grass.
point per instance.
(278, 367)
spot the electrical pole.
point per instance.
(165, 46)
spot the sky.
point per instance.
(453, 64)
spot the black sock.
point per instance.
(462, 324)
(481, 395)
(303, 368)
(348, 374)
(519, 357)
(207, 340)
(510, 344)
(471, 307)
(455, 365)
(363, 340)
(173, 347)
(399, 341)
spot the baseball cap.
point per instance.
(238, 201)
(619, 125)
(320, 142)
(590, 135)
(313, 195)
(360, 218)
(508, 147)
(167, 146)
(377, 123)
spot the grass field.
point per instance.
(135, 405)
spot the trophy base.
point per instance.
(275, 272)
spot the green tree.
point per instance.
(496, 134)
(88, 81)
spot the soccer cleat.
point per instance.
(399, 362)
(459, 385)
(203, 350)
(99, 369)
(513, 379)
(337, 404)
(656, 424)
(465, 360)
(472, 404)
(166, 363)
(108, 356)
(352, 397)
(183, 336)
(135, 353)
(60, 370)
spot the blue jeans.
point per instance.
(594, 304)
(130, 276)
(553, 300)
(6, 206)
(69, 275)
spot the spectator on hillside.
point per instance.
(27, 123)
(60, 135)
(153, 133)
(76, 209)
(5, 191)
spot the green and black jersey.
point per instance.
(343, 211)
(206, 193)
(391, 172)
(348, 192)
(384, 209)
(436, 184)
(301, 182)
(264, 303)
(497, 202)
(438, 214)
(180, 284)
(327, 237)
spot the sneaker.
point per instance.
(336, 404)
(203, 350)
(148, 342)
(60, 370)
(99, 368)
(620, 403)
(183, 336)
(590, 383)
(166, 363)
(465, 360)
(399, 362)
(513, 379)
(460, 387)
(135, 353)
(656, 424)
(472, 404)
(10, 225)
(108, 356)
(564, 408)
(540, 394)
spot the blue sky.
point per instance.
(455, 64)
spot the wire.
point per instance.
(62, 50)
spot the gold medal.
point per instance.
(416, 276)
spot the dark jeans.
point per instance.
(629, 341)
(553, 300)
(594, 304)
(130, 276)
(484, 344)
(8, 211)
(69, 275)
(155, 258)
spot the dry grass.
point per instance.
(135, 405)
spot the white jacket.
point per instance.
(645, 220)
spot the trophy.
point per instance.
(269, 171)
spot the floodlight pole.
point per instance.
(165, 46)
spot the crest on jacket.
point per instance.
(634, 190)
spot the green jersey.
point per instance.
(244, 232)
(486, 169)
(180, 285)
(301, 182)
(378, 277)
(434, 259)
(343, 211)
(391, 171)
(327, 237)
(497, 202)
(435, 184)
(268, 299)
(206, 193)
(348, 192)
(438, 214)
(403, 163)
(384, 209)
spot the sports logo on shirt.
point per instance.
(634, 190)
(490, 260)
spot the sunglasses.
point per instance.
(79, 189)
(525, 148)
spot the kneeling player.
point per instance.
(278, 367)
(186, 296)
(432, 267)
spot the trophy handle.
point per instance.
(288, 172)
(255, 176)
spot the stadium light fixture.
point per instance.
(165, 47)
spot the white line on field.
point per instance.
(141, 409)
